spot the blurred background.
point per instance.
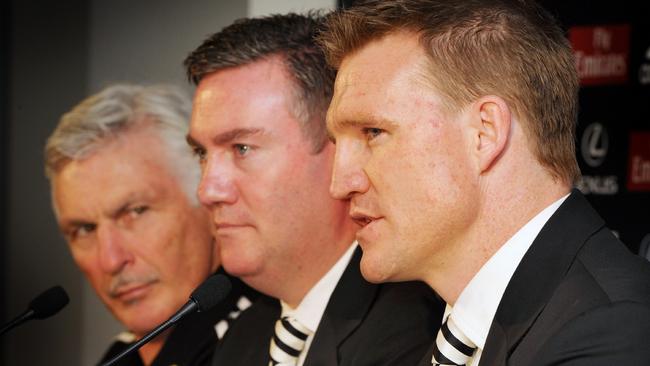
(54, 53)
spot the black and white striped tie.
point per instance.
(452, 347)
(288, 341)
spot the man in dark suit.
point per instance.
(454, 124)
(258, 130)
(123, 190)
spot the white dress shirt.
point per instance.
(477, 304)
(310, 310)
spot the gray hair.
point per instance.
(114, 111)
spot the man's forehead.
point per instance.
(390, 51)
(380, 62)
(247, 76)
(374, 72)
(70, 184)
(238, 98)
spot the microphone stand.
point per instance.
(187, 308)
(208, 294)
(17, 321)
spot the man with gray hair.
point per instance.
(123, 186)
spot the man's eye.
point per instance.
(331, 138)
(242, 149)
(81, 231)
(371, 132)
(199, 152)
(138, 210)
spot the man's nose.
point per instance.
(348, 176)
(217, 184)
(113, 250)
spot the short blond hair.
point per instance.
(510, 48)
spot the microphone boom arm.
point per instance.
(187, 308)
(208, 294)
(17, 321)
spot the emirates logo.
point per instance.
(601, 53)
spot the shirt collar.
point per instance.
(312, 307)
(477, 304)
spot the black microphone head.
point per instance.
(211, 292)
(48, 303)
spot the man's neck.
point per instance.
(292, 283)
(501, 217)
(315, 272)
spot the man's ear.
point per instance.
(494, 124)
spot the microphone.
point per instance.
(48, 303)
(211, 292)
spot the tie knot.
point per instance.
(294, 327)
(288, 341)
(452, 347)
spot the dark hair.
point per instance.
(510, 48)
(290, 36)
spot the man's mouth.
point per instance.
(221, 226)
(362, 219)
(131, 292)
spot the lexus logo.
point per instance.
(594, 144)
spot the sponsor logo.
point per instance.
(594, 144)
(601, 53)
(638, 167)
(595, 184)
(644, 69)
(644, 247)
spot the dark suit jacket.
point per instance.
(363, 324)
(193, 340)
(578, 297)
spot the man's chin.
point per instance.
(376, 270)
(239, 265)
(244, 274)
(140, 317)
(372, 274)
(141, 327)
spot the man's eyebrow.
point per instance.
(330, 135)
(192, 142)
(226, 137)
(66, 225)
(236, 133)
(122, 209)
(369, 122)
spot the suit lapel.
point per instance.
(495, 349)
(537, 276)
(345, 310)
(248, 340)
